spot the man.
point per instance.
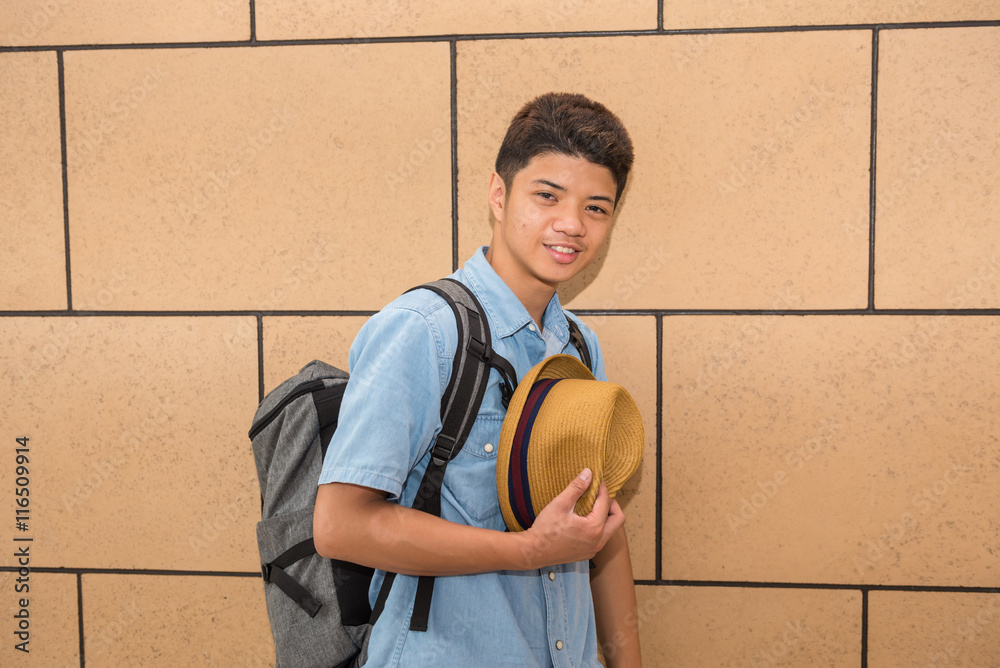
(500, 598)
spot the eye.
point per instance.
(545, 195)
(597, 209)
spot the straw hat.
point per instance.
(560, 421)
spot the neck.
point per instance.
(537, 310)
(535, 297)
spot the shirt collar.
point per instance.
(506, 312)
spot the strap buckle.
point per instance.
(478, 349)
(443, 450)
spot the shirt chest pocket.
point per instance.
(470, 482)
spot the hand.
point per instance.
(560, 536)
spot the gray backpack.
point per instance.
(319, 608)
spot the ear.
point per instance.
(497, 197)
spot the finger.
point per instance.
(577, 486)
(601, 504)
(616, 519)
(566, 500)
(615, 508)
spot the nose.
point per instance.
(570, 222)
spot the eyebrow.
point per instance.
(556, 186)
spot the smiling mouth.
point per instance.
(563, 249)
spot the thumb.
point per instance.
(576, 487)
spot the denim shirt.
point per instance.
(400, 365)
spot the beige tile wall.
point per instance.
(822, 470)
(33, 255)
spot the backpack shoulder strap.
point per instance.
(576, 338)
(474, 357)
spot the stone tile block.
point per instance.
(33, 252)
(57, 22)
(937, 225)
(279, 19)
(723, 627)
(629, 346)
(41, 615)
(175, 620)
(751, 152)
(933, 629)
(269, 178)
(292, 342)
(848, 449)
(743, 13)
(137, 438)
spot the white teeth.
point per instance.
(562, 249)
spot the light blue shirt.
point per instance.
(400, 365)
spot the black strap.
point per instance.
(506, 370)
(327, 402)
(294, 553)
(576, 338)
(383, 594)
(428, 500)
(474, 357)
(275, 572)
(460, 404)
(422, 603)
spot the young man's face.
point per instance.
(551, 222)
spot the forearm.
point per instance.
(357, 524)
(613, 590)
(368, 530)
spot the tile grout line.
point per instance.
(453, 58)
(260, 358)
(872, 192)
(64, 166)
(729, 584)
(658, 515)
(88, 570)
(79, 617)
(864, 627)
(651, 32)
(848, 586)
(944, 312)
(253, 22)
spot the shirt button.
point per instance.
(488, 447)
(559, 644)
(552, 575)
(531, 327)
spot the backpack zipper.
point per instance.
(304, 388)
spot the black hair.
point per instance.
(570, 124)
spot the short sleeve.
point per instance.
(391, 407)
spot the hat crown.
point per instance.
(561, 420)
